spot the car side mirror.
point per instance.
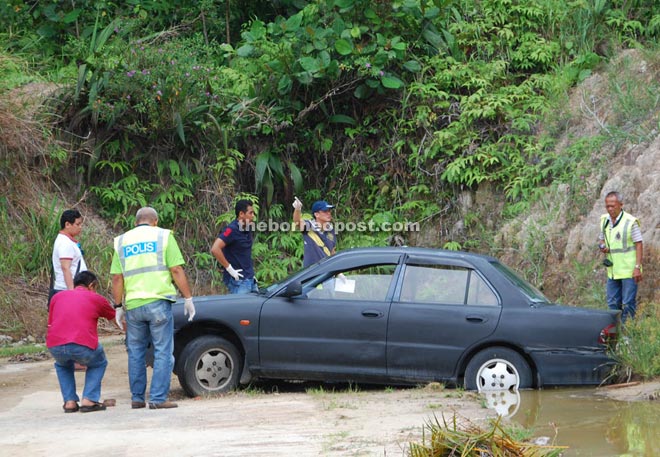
(293, 289)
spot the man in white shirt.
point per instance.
(67, 255)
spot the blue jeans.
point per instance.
(242, 286)
(621, 294)
(65, 355)
(150, 323)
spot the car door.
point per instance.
(440, 309)
(337, 326)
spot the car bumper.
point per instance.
(572, 367)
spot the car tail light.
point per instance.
(608, 335)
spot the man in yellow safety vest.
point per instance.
(621, 240)
(145, 262)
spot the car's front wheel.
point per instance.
(497, 368)
(209, 365)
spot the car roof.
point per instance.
(413, 250)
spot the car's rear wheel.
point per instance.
(497, 368)
(210, 365)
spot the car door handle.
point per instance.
(372, 313)
(475, 318)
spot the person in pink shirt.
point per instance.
(73, 338)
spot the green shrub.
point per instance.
(638, 350)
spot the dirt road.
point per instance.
(281, 419)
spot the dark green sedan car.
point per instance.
(396, 315)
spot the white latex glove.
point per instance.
(189, 308)
(297, 204)
(119, 316)
(236, 274)
(342, 278)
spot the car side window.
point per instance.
(479, 294)
(363, 284)
(445, 284)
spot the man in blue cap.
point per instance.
(318, 234)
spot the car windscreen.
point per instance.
(269, 290)
(525, 287)
(276, 286)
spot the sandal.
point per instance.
(70, 410)
(91, 408)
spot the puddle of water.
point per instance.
(590, 424)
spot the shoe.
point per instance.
(92, 408)
(138, 404)
(163, 405)
(70, 410)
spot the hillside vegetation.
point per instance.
(463, 116)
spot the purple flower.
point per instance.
(128, 97)
(159, 93)
(145, 72)
(187, 74)
(382, 73)
(173, 62)
(130, 73)
(368, 65)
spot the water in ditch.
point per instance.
(588, 423)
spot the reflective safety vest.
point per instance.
(141, 253)
(623, 252)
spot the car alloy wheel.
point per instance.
(211, 365)
(497, 374)
(497, 368)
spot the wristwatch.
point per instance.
(118, 305)
(638, 267)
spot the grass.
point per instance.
(463, 438)
(252, 391)
(336, 404)
(320, 390)
(329, 398)
(638, 350)
(11, 351)
(456, 394)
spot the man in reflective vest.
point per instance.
(621, 240)
(145, 262)
(319, 236)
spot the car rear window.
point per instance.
(445, 284)
(525, 287)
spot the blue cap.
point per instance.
(321, 205)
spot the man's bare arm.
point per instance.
(66, 271)
(216, 250)
(181, 280)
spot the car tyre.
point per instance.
(210, 365)
(497, 368)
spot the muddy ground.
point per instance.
(282, 419)
(268, 419)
